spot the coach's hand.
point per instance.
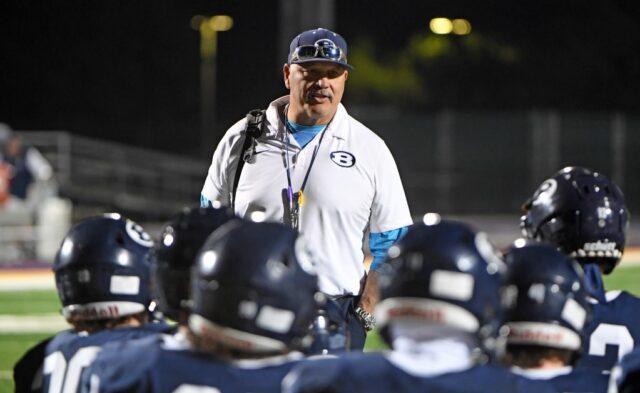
(368, 300)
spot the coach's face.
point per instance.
(315, 91)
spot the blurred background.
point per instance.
(478, 101)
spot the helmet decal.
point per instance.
(451, 285)
(544, 193)
(138, 235)
(275, 319)
(125, 285)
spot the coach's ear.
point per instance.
(286, 72)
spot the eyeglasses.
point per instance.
(321, 50)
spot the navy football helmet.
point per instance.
(173, 256)
(102, 269)
(254, 286)
(443, 275)
(626, 374)
(582, 213)
(548, 301)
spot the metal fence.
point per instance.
(453, 162)
(465, 162)
(102, 176)
(477, 165)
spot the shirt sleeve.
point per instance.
(379, 243)
(389, 209)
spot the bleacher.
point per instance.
(99, 175)
(90, 177)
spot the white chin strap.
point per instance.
(101, 310)
(237, 339)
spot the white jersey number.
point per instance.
(186, 388)
(65, 378)
(607, 334)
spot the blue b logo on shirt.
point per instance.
(343, 158)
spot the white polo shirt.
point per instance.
(353, 185)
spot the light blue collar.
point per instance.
(303, 134)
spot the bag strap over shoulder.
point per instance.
(253, 131)
(255, 120)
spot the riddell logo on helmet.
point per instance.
(430, 314)
(535, 336)
(97, 313)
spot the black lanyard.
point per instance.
(297, 199)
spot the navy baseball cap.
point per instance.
(318, 45)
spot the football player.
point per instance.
(254, 294)
(440, 309)
(625, 377)
(102, 278)
(547, 310)
(173, 256)
(584, 215)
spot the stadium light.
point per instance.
(441, 25)
(208, 27)
(461, 26)
(447, 26)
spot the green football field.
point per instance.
(27, 317)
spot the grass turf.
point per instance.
(29, 302)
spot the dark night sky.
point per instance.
(129, 70)
(123, 70)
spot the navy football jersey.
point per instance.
(374, 373)
(612, 332)
(570, 380)
(167, 364)
(69, 353)
(581, 380)
(27, 372)
(626, 375)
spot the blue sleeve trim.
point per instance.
(593, 281)
(379, 243)
(205, 202)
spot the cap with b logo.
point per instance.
(318, 45)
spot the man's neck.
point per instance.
(551, 363)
